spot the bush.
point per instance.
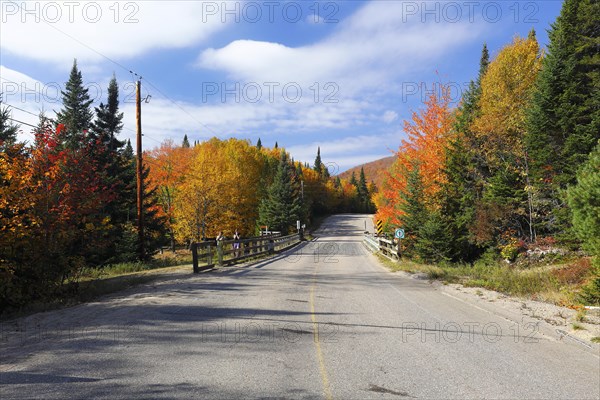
(590, 292)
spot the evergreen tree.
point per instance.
(465, 171)
(364, 198)
(433, 237)
(118, 167)
(128, 151)
(258, 144)
(155, 231)
(353, 180)
(276, 145)
(76, 114)
(186, 142)
(318, 166)
(8, 130)
(109, 121)
(563, 123)
(362, 183)
(583, 201)
(127, 244)
(282, 207)
(412, 209)
(337, 183)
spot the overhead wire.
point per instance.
(129, 70)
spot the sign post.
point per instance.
(399, 234)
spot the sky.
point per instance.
(339, 75)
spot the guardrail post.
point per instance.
(220, 252)
(195, 257)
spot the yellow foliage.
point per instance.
(220, 191)
(506, 91)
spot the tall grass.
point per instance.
(544, 284)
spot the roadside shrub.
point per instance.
(590, 292)
(575, 273)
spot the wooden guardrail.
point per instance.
(382, 245)
(206, 255)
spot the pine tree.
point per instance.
(276, 145)
(8, 130)
(433, 237)
(583, 201)
(128, 151)
(318, 166)
(258, 144)
(76, 114)
(118, 171)
(109, 121)
(364, 198)
(353, 180)
(155, 231)
(412, 209)
(563, 122)
(282, 207)
(337, 183)
(465, 170)
(186, 142)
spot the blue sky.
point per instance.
(342, 75)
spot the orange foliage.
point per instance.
(427, 137)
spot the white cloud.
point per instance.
(58, 31)
(389, 116)
(366, 51)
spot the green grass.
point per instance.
(159, 261)
(596, 339)
(580, 316)
(577, 327)
(535, 283)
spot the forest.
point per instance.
(68, 201)
(514, 167)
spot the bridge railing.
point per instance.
(381, 245)
(207, 255)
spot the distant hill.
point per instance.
(374, 170)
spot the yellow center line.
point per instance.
(320, 358)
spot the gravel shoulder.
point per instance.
(553, 321)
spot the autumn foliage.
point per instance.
(427, 134)
(52, 216)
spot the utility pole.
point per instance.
(140, 188)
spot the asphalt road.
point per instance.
(324, 320)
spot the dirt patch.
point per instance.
(563, 320)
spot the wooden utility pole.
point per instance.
(140, 182)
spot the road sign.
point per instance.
(379, 227)
(399, 233)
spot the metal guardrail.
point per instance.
(382, 245)
(371, 242)
(207, 255)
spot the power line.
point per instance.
(21, 122)
(77, 40)
(20, 109)
(178, 106)
(124, 68)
